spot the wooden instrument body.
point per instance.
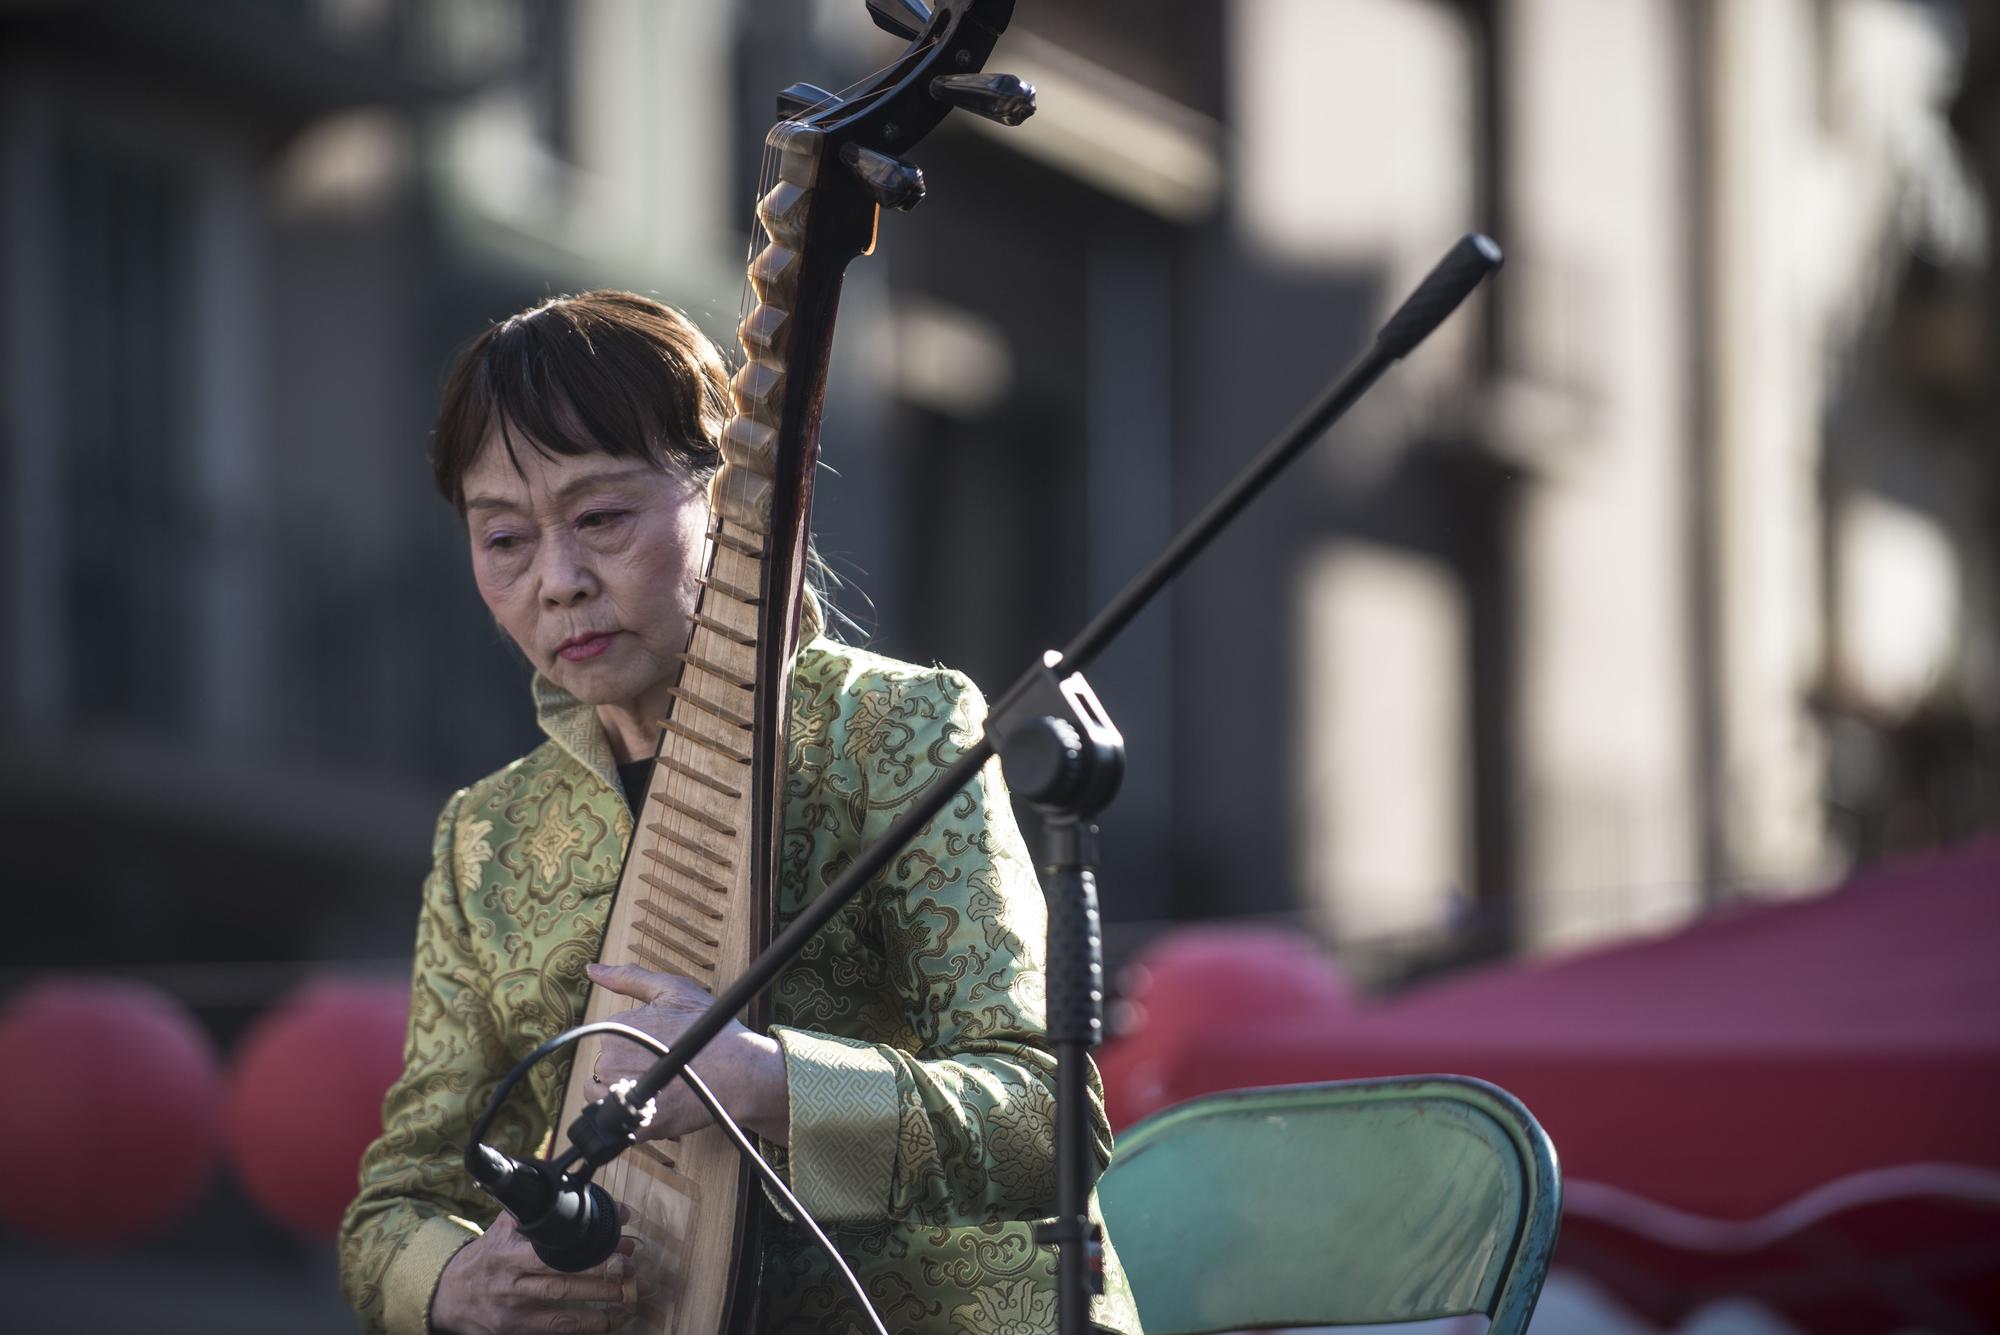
(695, 894)
(693, 897)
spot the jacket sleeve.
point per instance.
(951, 1121)
(416, 1206)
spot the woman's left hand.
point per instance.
(745, 1070)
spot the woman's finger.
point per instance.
(628, 980)
(590, 1286)
(580, 1320)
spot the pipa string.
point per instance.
(616, 1176)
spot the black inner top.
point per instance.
(633, 775)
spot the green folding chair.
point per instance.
(1348, 1203)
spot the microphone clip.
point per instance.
(607, 1128)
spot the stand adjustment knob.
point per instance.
(1043, 758)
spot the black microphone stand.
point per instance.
(1060, 752)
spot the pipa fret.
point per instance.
(647, 929)
(744, 596)
(647, 955)
(708, 706)
(712, 821)
(726, 631)
(716, 670)
(689, 899)
(735, 544)
(664, 1166)
(674, 864)
(673, 836)
(659, 911)
(700, 738)
(687, 771)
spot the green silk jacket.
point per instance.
(921, 1079)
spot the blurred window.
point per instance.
(1384, 752)
(130, 556)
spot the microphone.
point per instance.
(572, 1225)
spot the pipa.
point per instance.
(694, 896)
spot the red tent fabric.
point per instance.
(1802, 1071)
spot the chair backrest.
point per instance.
(1343, 1203)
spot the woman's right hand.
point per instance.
(496, 1285)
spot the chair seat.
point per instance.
(1338, 1203)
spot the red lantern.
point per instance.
(109, 1111)
(305, 1097)
(1222, 975)
(1202, 979)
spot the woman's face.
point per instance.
(589, 562)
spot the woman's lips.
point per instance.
(588, 646)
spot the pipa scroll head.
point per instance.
(997, 97)
(850, 151)
(894, 183)
(893, 109)
(802, 97)
(906, 19)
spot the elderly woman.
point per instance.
(906, 1075)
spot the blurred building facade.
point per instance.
(1662, 574)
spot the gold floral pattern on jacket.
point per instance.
(913, 1025)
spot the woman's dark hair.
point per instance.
(600, 372)
(609, 372)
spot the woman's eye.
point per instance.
(599, 518)
(501, 542)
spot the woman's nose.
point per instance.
(566, 577)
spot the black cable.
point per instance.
(507, 1083)
(715, 1110)
(761, 1164)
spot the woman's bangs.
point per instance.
(558, 393)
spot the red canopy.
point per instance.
(1717, 1096)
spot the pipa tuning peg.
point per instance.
(997, 97)
(893, 182)
(905, 18)
(802, 97)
